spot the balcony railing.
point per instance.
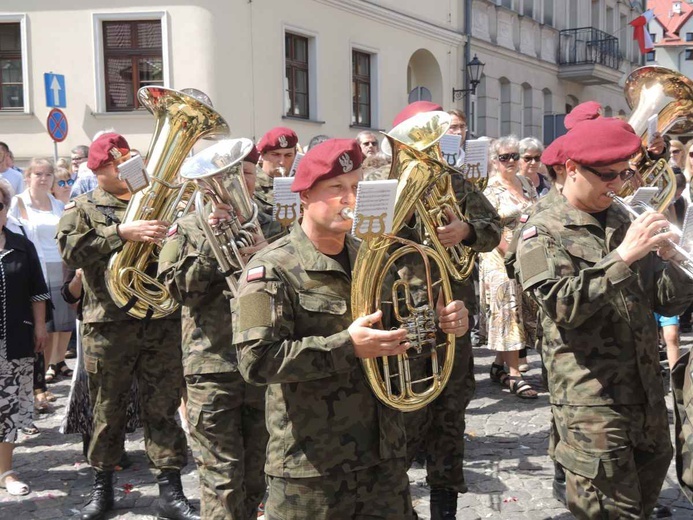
(588, 46)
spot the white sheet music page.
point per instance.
(643, 196)
(375, 208)
(450, 148)
(686, 240)
(476, 159)
(287, 204)
(134, 173)
(652, 123)
(297, 159)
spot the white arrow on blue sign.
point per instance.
(55, 90)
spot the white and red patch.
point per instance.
(524, 218)
(530, 232)
(172, 230)
(256, 273)
(70, 205)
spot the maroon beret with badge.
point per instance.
(278, 137)
(600, 142)
(553, 154)
(105, 149)
(326, 160)
(417, 107)
(582, 112)
(253, 156)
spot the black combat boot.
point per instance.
(559, 483)
(101, 499)
(172, 504)
(443, 504)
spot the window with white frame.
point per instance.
(297, 75)
(361, 88)
(12, 69)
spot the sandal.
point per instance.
(50, 374)
(30, 430)
(14, 487)
(521, 388)
(50, 396)
(498, 373)
(41, 404)
(64, 370)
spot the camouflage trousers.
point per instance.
(380, 491)
(615, 457)
(438, 429)
(114, 353)
(682, 388)
(229, 438)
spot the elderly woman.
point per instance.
(531, 149)
(23, 295)
(509, 317)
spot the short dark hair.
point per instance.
(458, 113)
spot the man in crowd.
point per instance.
(7, 173)
(334, 451)
(277, 153)
(458, 126)
(118, 347)
(597, 281)
(78, 155)
(368, 142)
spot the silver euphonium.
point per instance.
(638, 208)
(218, 171)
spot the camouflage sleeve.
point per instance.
(85, 239)
(263, 332)
(674, 289)
(479, 213)
(547, 271)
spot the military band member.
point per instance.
(597, 281)
(277, 153)
(118, 347)
(437, 431)
(334, 451)
(682, 388)
(226, 415)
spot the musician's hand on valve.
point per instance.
(220, 213)
(260, 243)
(647, 232)
(454, 232)
(143, 230)
(657, 146)
(453, 318)
(370, 342)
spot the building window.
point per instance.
(689, 54)
(133, 58)
(689, 37)
(651, 56)
(361, 89)
(297, 76)
(11, 74)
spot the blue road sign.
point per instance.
(55, 90)
(57, 125)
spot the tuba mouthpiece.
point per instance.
(347, 213)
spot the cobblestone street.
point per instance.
(508, 471)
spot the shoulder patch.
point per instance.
(172, 230)
(70, 205)
(524, 218)
(256, 273)
(530, 232)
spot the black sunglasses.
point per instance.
(625, 175)
(505, 157)
(68, 182)
(530, 158)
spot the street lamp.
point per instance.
(474, 71)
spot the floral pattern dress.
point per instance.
(511, 317)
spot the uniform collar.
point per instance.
(103, 198)
(571, 216)
(313, 260)
(263, 179)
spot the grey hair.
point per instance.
(6, 192)
(507, 141)
(81, 149)
(531, 143)
(364, 133)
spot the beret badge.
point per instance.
(346, 162)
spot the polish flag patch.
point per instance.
(256, 273)
(70, 205)
(172, 230)
(530, 232)
(524, 218)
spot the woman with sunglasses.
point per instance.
(511, 319)
(62, 187)
(39, 212)
(531, 149)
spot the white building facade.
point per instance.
(330, 67)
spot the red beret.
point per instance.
(326, 160)
(105, 149)
(582, 112)
(553, 154)
(600, 142)
(278, 137)
(415, 108)
(253, 156)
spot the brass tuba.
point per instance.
(668, 94)
(219, 176)
(180, 121)
(394, 380)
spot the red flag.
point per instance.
(640, 32)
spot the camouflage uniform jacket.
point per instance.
(600, 338)
(682, 388)
(290, 326)
(87, 237)
(264, 191)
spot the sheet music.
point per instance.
(476, 159)
(643, 195)
(294, 165)
(686, 240)
(287, 204)
(652, 123)
(134, 173)
(375, 208)
(450, 148)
